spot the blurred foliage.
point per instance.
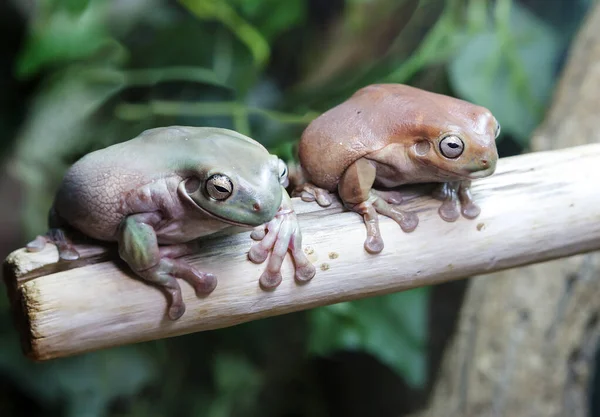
(398, 339)
(106, 70)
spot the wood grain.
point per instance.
(536, 207)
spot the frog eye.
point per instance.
(283, 171)
(497, 130)
(219, 187)
(452, 147)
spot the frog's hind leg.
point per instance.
(355, 190)
(456, 198)
(310, 192)
(389, 196)
(138, 246)
(56, 235)
(66, 250)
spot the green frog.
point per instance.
(157, 193)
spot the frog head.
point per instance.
(459, 141)
(241, 183)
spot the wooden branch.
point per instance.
(536, 207)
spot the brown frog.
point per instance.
(387, 135)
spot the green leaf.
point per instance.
(393, 328)
(272, 17)
(73, 31)
(509, 68)
(224, 13)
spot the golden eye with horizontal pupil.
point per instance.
(219, 187)
(283, 171)
(452, 147)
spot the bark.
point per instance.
(527, 338)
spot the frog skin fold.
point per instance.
(156, 194)
(388, 135)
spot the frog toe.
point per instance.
(374, 244)
(305, 273)
(323, 198)
(36, 245)
(205, 283)
(448, 211)
(310, 193)
(470, 210)
(409, 222)
(68, 254)
(306, 196)
(257, 254)
(270, 280)
(202, 282)
(176, 311)
(258, 233)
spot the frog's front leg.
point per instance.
(277, 236)
(455, 194)
(356, 193)
(138, 246)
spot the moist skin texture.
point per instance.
(388, 135)
(155, 194)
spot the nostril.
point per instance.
(484, 161)
(256, 207)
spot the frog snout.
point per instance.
(481, 168)
(490, 164)
(263, 210)
(485, 164)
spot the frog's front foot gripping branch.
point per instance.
(457, 199)
(276, 237)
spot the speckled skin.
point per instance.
(150, 195)
(387, 135)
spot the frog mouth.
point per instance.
(481, 174)
(452, 175)
(231, 222)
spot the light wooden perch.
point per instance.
(536, 207)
